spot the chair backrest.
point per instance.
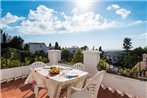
(79, 66)
(37, 64)
(94, 84)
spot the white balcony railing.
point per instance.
(132, 87)
(14, 73)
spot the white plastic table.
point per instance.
(55, 83)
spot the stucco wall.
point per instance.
(127, 85)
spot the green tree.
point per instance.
(17, 42)
(138, 51)
(100, 48)
(127, 62)
(78, 56)
(65, 55)
(102, 52)
(50, 46)
(26, 47)
(84, 48)
(145, 49)
(127, 44)
(137, 54)
(4, 38)
(130, 60)
(57, 46)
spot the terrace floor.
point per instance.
(17, 89)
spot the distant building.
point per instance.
(73, 49)
(113, 56)
(33, 47)
(143, 63)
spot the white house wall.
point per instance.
(37, 47)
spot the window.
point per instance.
(40, 46)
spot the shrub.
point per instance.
(77, 57)
(27, 61)
(9, 63)
(40, 58)
(12, 57)
(24, 54)
(102, 64)
(135, 71)
(40, 53)
(126, 72)
(65, 55)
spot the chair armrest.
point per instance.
(81, 89)
(70, 89)
(76, 89)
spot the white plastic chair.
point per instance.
(37, 64)
(90, 90)
(79, 66)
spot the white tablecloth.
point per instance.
(54, 84)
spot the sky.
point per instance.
(76, 23)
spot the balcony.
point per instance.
(113, 86)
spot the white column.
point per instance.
(54, 56)
(91, 59)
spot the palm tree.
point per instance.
(127, 44)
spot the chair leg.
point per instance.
(36, 91)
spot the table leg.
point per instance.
(59, 88)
